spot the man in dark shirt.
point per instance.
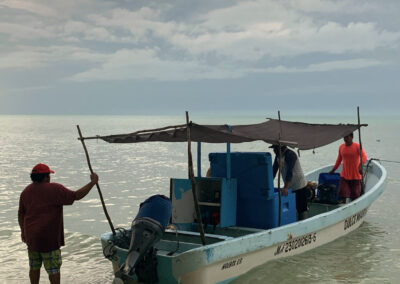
(40, 216)
(293, 177)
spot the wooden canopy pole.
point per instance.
(279, 174)
(191, 176)
(97, 184)
(359, 140)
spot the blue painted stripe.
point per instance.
(227, 280)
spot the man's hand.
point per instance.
(360, 169)
(331, 171)
(82, 192)
(94, 178)
(285, 191)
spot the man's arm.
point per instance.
(275, 167)
(290, 160)
(338, 162)
(82, 192)
(21, 215)
(363, 159)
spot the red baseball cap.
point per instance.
(42, 169)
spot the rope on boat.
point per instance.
(176, 227)
(380, 161)
(388, 161)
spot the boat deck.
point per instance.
(178, 241)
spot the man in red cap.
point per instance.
(40, 216)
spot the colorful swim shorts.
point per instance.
(51, 260)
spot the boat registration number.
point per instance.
(296, 243)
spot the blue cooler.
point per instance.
(328, 188)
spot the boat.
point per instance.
(187, 248)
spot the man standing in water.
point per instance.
(40, 216)
(293, 177)
(350, 177)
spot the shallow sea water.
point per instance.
(129, 173)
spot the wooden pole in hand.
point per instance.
(97, 184)
(191, 176)
(361, 155)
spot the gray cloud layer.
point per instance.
(62, 45)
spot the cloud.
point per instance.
(149, 43)
(142, 64)
(17, 31)
(86, 31)
(146, 65)
(329, 7)
(30, 57)
(249, 31)
(351, 64)
(257, 29)
(29, 6)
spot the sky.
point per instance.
(166, 57)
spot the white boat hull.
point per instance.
(232, 268)
(224, 261)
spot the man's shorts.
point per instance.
(301, 199)
(349, 188)
(51, 260)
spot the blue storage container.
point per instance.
(252, 170)
(257, 200)
(157, 207)
(264, 214)
(325, 178)
(288, 207)
(329, 181)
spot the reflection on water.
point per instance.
(130, 173)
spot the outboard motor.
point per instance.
(147, 229)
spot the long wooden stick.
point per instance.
(359, 139)
(191, 176)
(279, 174)
(97, 184)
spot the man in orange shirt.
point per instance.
(350, 177)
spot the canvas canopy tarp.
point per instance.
(303, 136)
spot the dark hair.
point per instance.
(39, 177)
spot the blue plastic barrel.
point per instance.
(157, 207)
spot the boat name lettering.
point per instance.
(231, 263)
(296, 243)
(348, 222)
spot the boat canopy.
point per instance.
(303, 136)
